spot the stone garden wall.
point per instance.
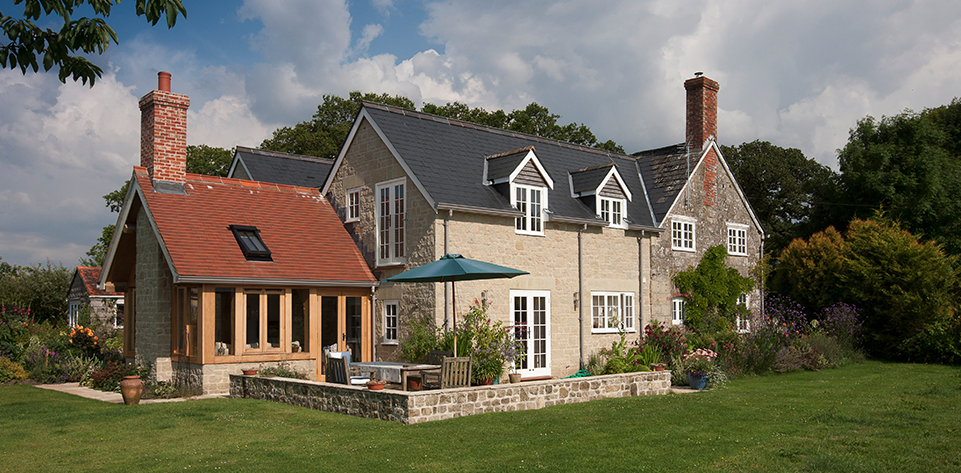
(412, 407)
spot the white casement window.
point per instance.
(353, 205)
(531, 201)
(612, 311)
(736, 239)
(682, 234)
(743, 323)
(612, 211)
(73, 314)
(391, 311)
(391, 201)
(118, 314)
(677, 310)
(531, 322)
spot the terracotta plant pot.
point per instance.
(487, 382)
(413, 384)
(375, 385)
(131, 388)
(657, 366)
(249, 372)
(515, 377)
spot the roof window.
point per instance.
(250, 243)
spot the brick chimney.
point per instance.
(701, 109)
(163, 136)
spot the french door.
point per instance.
(530, 317)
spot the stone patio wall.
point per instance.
(412, 407)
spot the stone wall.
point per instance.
(712, 199)
(412, 407)
(214, 378)
(152, 338)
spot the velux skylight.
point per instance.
(251, 244)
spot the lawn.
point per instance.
(869, 417)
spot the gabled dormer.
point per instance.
(519, 176)
(603, 189)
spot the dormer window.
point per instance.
(602, 188)
(519, 176)
(250, 243)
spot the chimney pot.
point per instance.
(163, 81)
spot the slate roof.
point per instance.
(447, 158)
(283, 168)
(307, 240)
(500, 166)
(665, 171)
(91, 277)
(589, 179)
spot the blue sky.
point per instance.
(798, 74)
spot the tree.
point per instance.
(785, 189)
(209, 161)
(906, 289)
(712, 290)
(908, 165)
(28, 43)
(327, 131)
(42, 289)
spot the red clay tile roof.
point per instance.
(306, 238)
(90, 277)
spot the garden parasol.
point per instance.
(455, 268)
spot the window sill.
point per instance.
(685, 250)
(392, 343)
(608, 331)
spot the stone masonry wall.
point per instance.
(214, 378)
(412, 407)
(612, 258)
(153, 303)
(713, 205)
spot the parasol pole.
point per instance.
(453, 299)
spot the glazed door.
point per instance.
(530, 313)
(345, 325)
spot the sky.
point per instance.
(797, 74)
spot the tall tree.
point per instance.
(30, 46)
(40, 288)
(784, 187)
(909, 166)
(326, 132)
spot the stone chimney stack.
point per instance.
(701, 110)
(163, 136)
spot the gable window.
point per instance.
(682, 234)
(531, 201)
(612, 311)
(391, 201)
(250, 243)
(612, 211)
(743, 323)
(353, 204)
(391, 311)
(677, 310)
(736, 239)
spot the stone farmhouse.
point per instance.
(600, 233)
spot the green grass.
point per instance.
(860, 418)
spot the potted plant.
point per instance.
(376, 384)
(249, 372)
(295, 347)
(514, 351)
(699, 363)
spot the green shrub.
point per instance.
(281, 370)
(11, 371)
(421, 338)
(109, 377)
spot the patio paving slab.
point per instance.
(114, 398)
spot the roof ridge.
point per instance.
(508, 153)
(281, 154)
(245, 183)
(490, 129)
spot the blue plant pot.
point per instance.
(697, 382)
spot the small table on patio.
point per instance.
(395, 372)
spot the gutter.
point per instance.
(271, 282)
